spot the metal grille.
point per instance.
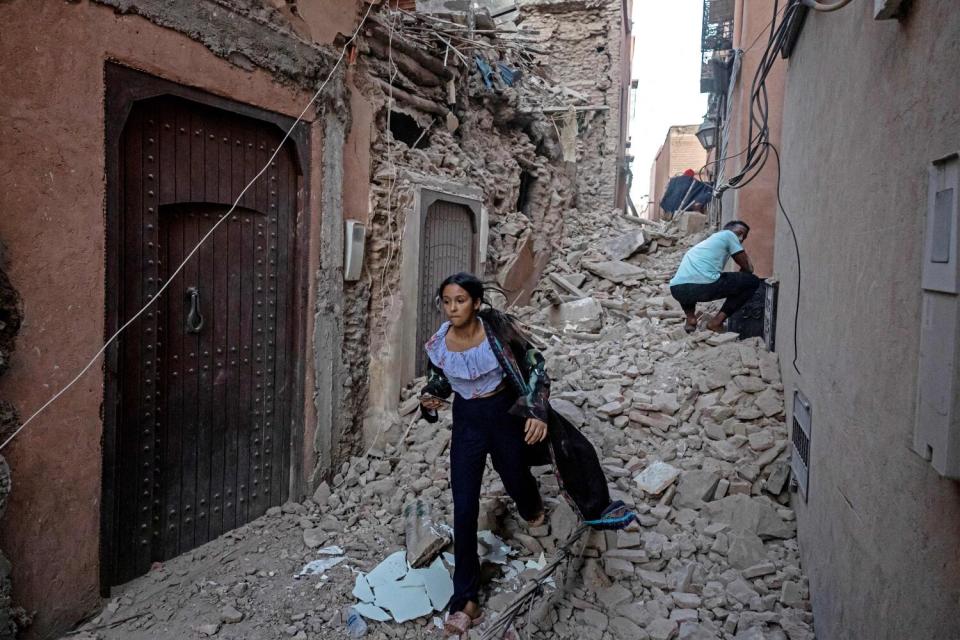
(717, 32)
(800, 455)
(447, 247)
(204, 406)
(716, 36)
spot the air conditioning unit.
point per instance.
(354, 239)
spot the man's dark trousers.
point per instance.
(736, 287)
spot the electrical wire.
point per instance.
(759, 147)
(823, 6)
(796, 246)
(196, 248)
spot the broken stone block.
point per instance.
(613, 596)
(581, 315)
(745, 550)
(630, 555)
(314, 537)
(662, 629)
(569, 283)
(593, 618)
(617, 567)
(756, 515)
(652, 578)
(722, 338)
(791, 595)
(777, 480)
(750, 384)
(715, 431)
(636, 613)
(691, 222)
(769, 367)
(623, 628)
(684, 615)
(230, 615)
(563, 521)
(738, 486)
(615, 271)
(695, 631)
(758, 570)
(769, 402)
(655, 479)
(686, 600)
(322, 495)
(627, 539)
(741, 591)
(654, 421)
(424, 540)
(761, 440)
(622, 247)
(694, 488)
(568, 410)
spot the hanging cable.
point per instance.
(196, 248)
(823, 6)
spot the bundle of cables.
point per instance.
(759, 146)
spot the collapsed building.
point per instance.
(439, 141)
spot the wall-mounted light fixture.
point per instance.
(707, 133)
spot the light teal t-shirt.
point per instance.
(704, 262)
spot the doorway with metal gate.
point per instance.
(201, 392)
(449, 243)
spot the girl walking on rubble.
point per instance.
(500, 408)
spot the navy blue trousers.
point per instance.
(736, 286)
(483, 426)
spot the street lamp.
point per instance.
(707, 133)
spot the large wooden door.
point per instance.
(448, 246)
(203, 379)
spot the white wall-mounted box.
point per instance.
(354, 239)
(937, 423)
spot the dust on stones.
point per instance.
(714, 555)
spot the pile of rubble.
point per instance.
(689, 429)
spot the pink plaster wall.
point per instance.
(756, 203)
(52, 221)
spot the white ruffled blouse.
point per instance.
(471, 373)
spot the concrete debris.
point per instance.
(656, 478)
(424, 539)
(622, 247)
(615, 270)
(689, 429)
(581, 315)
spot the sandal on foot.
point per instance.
(538, 521)
(457, 624)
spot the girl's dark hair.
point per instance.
(503, 324)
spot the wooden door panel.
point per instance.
(203, 410)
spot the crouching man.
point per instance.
(700, 277)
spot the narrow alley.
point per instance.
(479, 319)
(691, 432)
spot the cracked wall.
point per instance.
(481, 141)
(583, 47)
